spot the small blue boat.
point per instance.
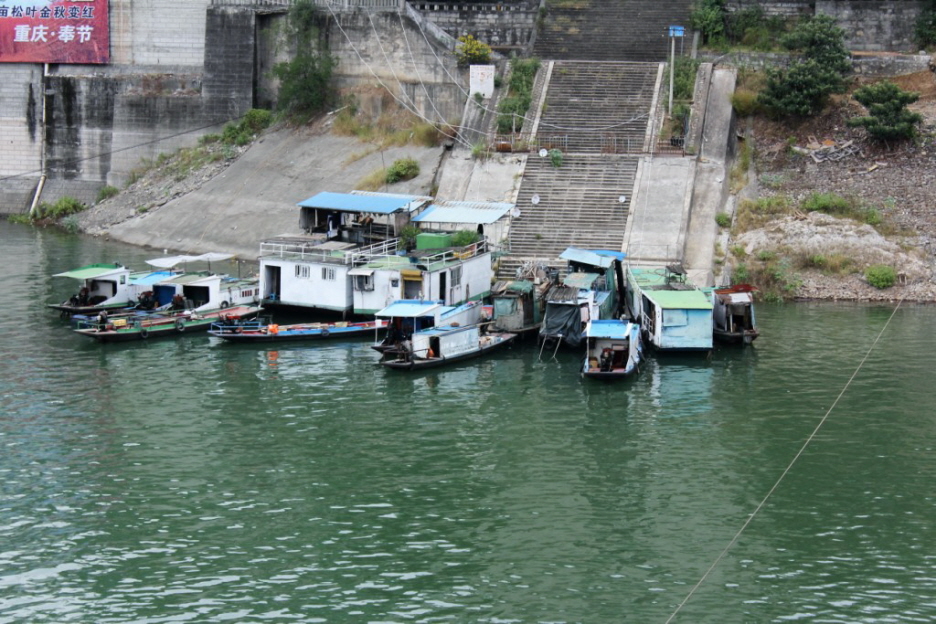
(613, 349)
(262, 330)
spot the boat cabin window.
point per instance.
(328, 273)
(456, 275)
(363, 282)
(303, 271)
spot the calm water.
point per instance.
(186, 480)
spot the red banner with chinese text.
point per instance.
(54, 31)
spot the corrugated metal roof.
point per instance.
(92, 271)
(562, 294)
(613, 329)
(603, 258)
(376, 203)
(475, 213)
(409, 308)
(679, 299)
(580, 280)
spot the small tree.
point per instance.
(470, 51)
(803, 88)
(708, 17)
(888, 118)
(305, 81)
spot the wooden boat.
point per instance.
(733, 314)
(673, 314)
(613, 349)
(439, 346)
(101, 287)
(149, 326)
(261, 330)
(519, 304)
(408, 316)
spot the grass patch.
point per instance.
(753, 214)
(830, 264)
(723, 219)
(107, 192)
(737, 178)
(772, 273)
(373, 181)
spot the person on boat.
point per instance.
(83, 296)
(147, 301)
(102, 319)
(605, 359)
(178, 302)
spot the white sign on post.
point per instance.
(481, 80)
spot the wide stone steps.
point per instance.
(583, 203)
(609, 30)
(598, 108)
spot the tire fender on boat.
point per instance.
(225, 305)
(180, 324)
(324, 333)
(144, 333)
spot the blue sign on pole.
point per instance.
(677, 31)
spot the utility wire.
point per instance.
(787, 469)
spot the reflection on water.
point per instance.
(194, 480)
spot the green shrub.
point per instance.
(470, 51)
(925, 29)
(512, 109)
(828, 203)
(881, 275)
(740, 274)
(402, 169)
(723, 219)
(803, 88)
(107, 192)
(462, 238)
(63, 207)
(708, 17)
(306, 80)
(744, 102)
(888, 118)
(555, 158)
(21, 219)
(242, 132)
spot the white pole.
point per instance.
(671, 70)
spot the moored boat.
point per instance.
(262, 330)
(733, 314)
(408, 316)
(613, 349)
(148, 326)
(440, 346)
(102, 287)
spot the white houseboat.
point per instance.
(341, 232)
(673, 314)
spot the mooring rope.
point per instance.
(786, 470)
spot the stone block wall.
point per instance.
(502, 26)
(875, 25)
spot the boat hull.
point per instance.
(416, 364)
(293, 333)
(163, 327)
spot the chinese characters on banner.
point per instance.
(54, 31)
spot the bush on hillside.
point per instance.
(402, 169)
(881, 276)
(802, 89)
(470, 51)
(888, 118)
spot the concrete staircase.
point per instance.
(598, 108)
(610, 30)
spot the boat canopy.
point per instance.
(612, 329)
(679, 299)
(409, 308)
(168, 262)
(580, 280)
(152, 278)
(482, 213)
(375, 203)
(603, 258)
(93, 271)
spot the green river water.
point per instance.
(190, 480)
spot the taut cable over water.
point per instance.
(789, 467)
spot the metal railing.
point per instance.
(334, 5)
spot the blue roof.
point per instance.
(464, 212)
(153, 278)
(615, 330)
(376, 203)
(410, 308)
(603, 258)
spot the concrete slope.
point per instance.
(256, 197)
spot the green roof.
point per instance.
(679, 299)
(93, 270)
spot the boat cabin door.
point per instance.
(271, 281)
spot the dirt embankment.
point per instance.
(825, 155)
